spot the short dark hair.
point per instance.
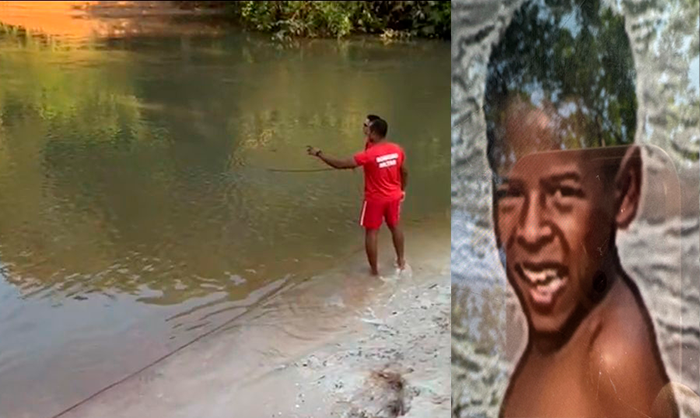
(372, 118)
(571, 59)
(379, 127)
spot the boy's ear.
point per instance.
(628, 187)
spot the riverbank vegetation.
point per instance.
(287, 19)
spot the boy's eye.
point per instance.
(508, 192)
(567, 191)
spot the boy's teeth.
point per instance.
(544, 294)
(541, 276)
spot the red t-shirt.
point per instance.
(382, 164)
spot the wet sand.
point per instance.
(341, 344)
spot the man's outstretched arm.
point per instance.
(338, 163)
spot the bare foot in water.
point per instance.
(402, 269)
(400, 264)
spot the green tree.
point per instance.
(575, 56)
(285, 19)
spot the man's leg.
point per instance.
(392, 220)
(397, 237)
(371, 220)
(371, 248)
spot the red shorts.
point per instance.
(374, 212)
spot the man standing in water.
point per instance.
(385, 184)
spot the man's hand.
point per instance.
(312, 151)
(333, 162)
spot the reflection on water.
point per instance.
(135, 187)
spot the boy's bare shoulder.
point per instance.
(624, 361)
(622, 329)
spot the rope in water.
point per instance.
(286, 170)
(312, 170)
(285, 286)
(200, 337)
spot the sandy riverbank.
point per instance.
(338, 345)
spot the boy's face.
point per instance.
(554, 219)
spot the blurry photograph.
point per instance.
(224, 209)
(574, 211)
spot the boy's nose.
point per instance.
(534, 231)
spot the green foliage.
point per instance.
(576, 57)
(430, 19)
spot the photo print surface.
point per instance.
(574, 209)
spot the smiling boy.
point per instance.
(591, 348)
(560, 197)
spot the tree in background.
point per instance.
(428, 19)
